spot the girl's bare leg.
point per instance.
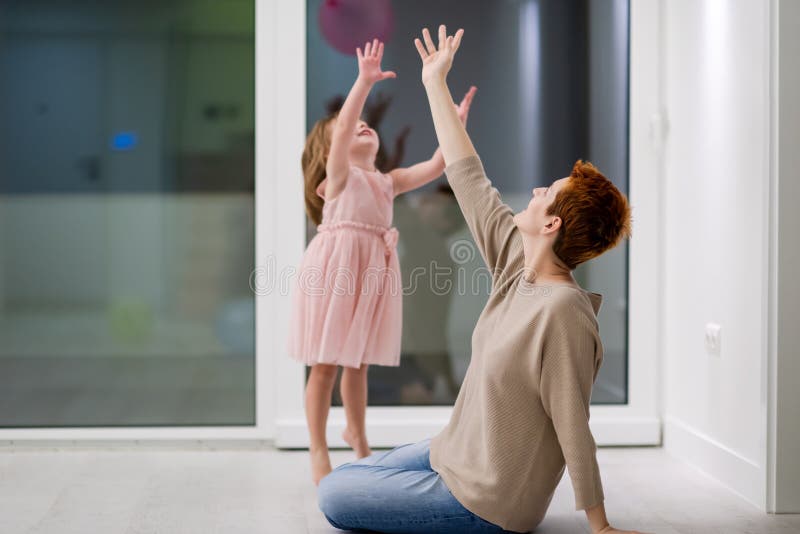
(354, 396)
(318, 403)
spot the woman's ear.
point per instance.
(552, 226)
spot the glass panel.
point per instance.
(552, 78)
(126, 167)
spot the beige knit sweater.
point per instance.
(523, 409)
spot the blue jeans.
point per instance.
(396, 492)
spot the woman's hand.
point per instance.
(599, 523)
(611, 530)
(466, 102)
(436, 63)
(369, 63)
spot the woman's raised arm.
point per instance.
(490, 221)
(453, 138)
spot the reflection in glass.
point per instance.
(126, 184)
(552, 78)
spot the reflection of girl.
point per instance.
(347, 307)
(430, 278)
(522, 413)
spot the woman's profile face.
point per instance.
(534, 218)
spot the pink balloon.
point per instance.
(347, 24)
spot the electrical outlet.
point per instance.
(713, 339)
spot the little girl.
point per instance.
(347, 302)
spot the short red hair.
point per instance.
(594, 214)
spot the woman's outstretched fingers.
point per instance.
(375, 47)
(421, 49)
(435, 63)
(457, 39)
(428, 41)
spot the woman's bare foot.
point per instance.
(320, 464)
(358, 443)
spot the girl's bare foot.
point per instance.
(320, 464)
(358, 443)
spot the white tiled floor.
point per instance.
(261, 490)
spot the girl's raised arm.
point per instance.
(369, 73)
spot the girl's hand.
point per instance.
(436, 63)
(466, 102)
(369, 63)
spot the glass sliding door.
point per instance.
(552, 78)
(126, 213)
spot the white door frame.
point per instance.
(280, 241)
(638, 422)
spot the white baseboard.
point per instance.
(730, 468)
(626, 431)
(391, 432)
(386, 427)
(83, 436)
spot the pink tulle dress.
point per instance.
(347, 295)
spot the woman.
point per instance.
(522, 413)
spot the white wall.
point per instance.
(717, 62)
(785, 336)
